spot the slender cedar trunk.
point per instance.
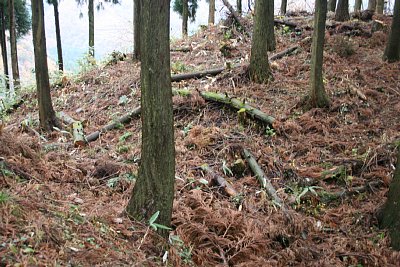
(357, 5)
(239, 6)
(379, 6)
(259, 69)
(332, 5)
(154, 189)
(185, 17)
(392, 51)
(389, 216)
(47, 115)
(91, 27)
(270, 27)
(58, 36)
(4, 45)
(13, 46)
(136, 28)
(317, 96)
(371, 5)
(211, 12)
(283, 7)
(342, 11)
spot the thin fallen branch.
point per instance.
(237, 104)
(15, 169)
(184, 49)
(220, 182)
(264, 181)
(122, 120)
(25, 127)
(329, 197)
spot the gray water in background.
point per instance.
(114, 30)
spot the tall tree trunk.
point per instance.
(392, 51)
(47, 115)
(270, 27)
(390, 214)
(211, 12)
(259, 69)
(317, 96)
(4, 45)
(137, 6)
(91, 27)
(185, 17)
(379, 6)
(154, 189)
(239, 6)
(342, 11)
(13, 46)
(371, 5)
(357, 5)
(283, 7)
(58, 36)
(332, 5)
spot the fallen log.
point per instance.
(181, 49)
(285, 22)
(264, 181)
(216, 71)
(283, 53)
(122, 120)
(200, 74)
(237, 104)
(220, 181)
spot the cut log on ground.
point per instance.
(76, 127)
(122, 120)
(220, 182)
(264, 181)
(237, 104)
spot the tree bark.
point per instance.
(371, 5)
(154, 189)
(91, 27)
(270, 27)
(211, 12)
(58, 36)
(357, 5)
(259, 69)
(390, 214)
(137, 6)
(13, 46)
(47, 115)
(4, 44)
(283, 7)
(317, 96)
(342, 11)
(392, 51)
(379, 6)
(332, 5)
(239, 6)
(185, 17)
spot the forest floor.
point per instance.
(64, 206)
